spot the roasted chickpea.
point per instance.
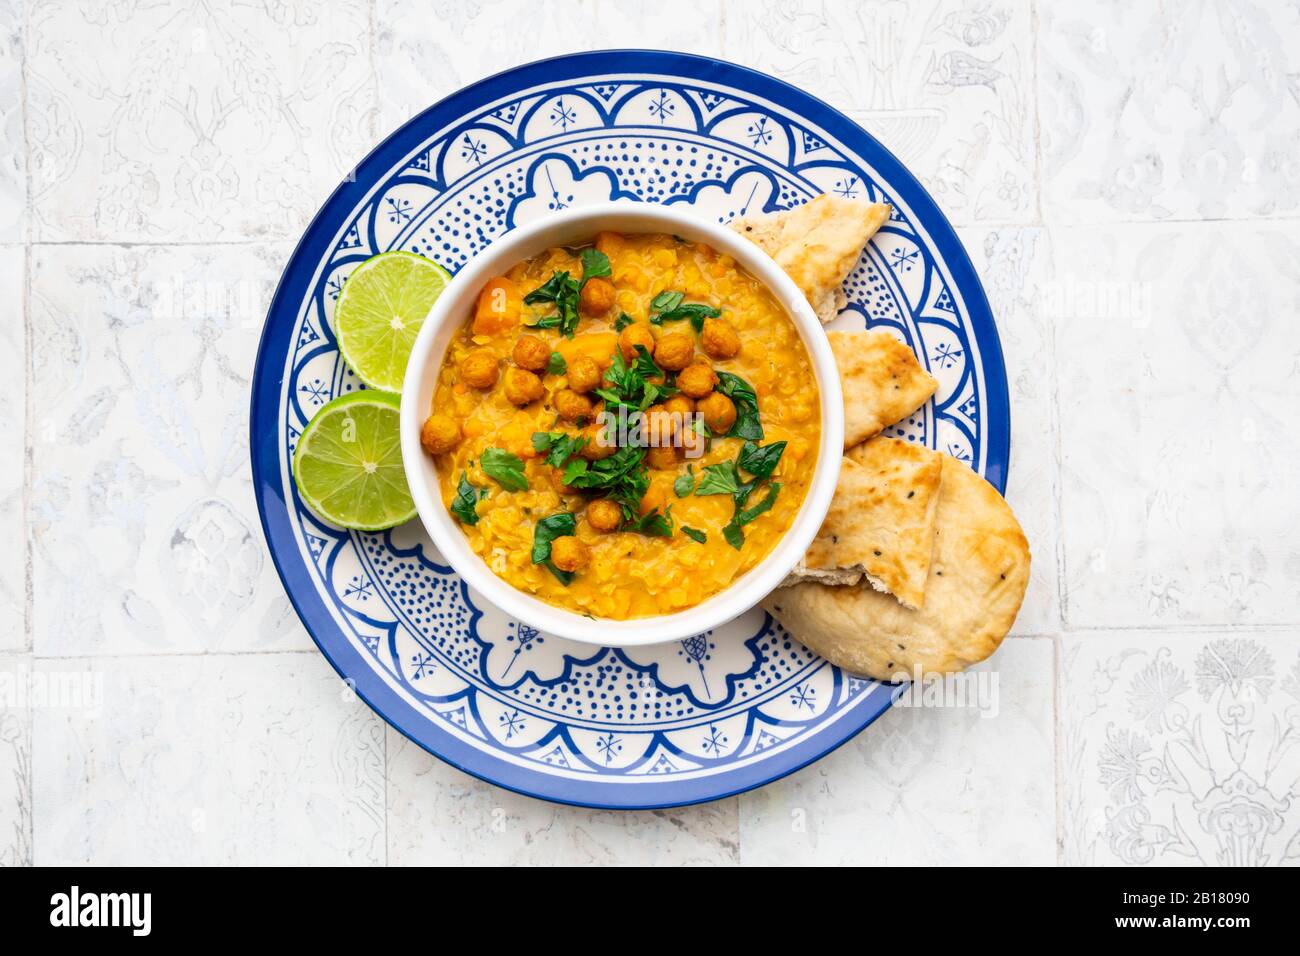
(599, 445)
(680, 405)
(663, 457)
(583, 373)
(659, 426)
(674, 351)
(719, 339)
(636, 334)
(479, 369)
(654, 499)
(569, 554)
(531, 353)
(696, 380)
(719, 413)
(596, 297)
(522, 386)
(604, 515)
(693, 443)
(571, 406)
(439, 434)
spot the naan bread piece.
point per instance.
(882, 381)
(978, 574)
(817, 244)
(880, 525)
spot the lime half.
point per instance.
(382, 306)
(348, 463)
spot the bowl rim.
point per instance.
(450, 311)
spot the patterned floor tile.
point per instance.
(258, 758)
(438, 815)
(1181, 748)
(145, 536)
(927, 786)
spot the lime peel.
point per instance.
(348, 463)
(380, 311)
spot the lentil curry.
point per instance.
(624, 428)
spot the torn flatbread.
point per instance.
(817, 244)
(881, 379)
(978, 574)
(880, 525)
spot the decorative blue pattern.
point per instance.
(658, 726)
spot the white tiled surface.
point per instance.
(1127, 185)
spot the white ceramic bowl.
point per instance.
(455, 306)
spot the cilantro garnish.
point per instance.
(464, 506)
(506, 468)
(743, 396)
(668, 306)
(558, 446)
(695, 534)
(685, 484)
(622, 476)
(656, 524)
(743, 516)
(719, 479)
(760, 460)
(562, 290)
(546, 531)
(595, 264)
(556, 365)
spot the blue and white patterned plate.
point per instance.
(648, 727)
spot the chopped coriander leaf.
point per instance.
(505, 468)
(745, 516)
(556, 365)
(645, 365)
(760, 460)
(594, 264)
(719, 479)
(552, 290)
(655, 524)
(697, 312)
(668, 306)
(743, 491)
(464, 506)
(666, 301)
(745, 399)
(558, 446)
(622, 476)
(735, 537)
(695, 534)
(561, 289)
(685, 484)
(623, 321)
(547, 530)
(574, 470)
(630, 386)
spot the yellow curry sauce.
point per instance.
(646, 565)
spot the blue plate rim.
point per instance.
(299, 587)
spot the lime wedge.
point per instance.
(382, 306)
(348, 463)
